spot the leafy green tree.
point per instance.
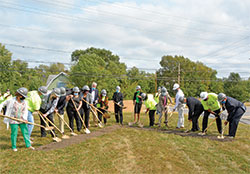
(97, 65)
(235, 87)
(195, 77)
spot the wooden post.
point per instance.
(179, 73)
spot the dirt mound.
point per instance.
(78, 139)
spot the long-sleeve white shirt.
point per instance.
(177, 97)
(13, 110)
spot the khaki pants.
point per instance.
(61, 123)
(180, 109)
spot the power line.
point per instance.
(79, 19)
(174, 16)
(36, 48)
(66, 5)
(225, 47)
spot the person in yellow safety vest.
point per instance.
(150, 104)
(211, 105)
(34, 101)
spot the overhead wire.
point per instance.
(68, 5)
(79, 19)
(174, 16)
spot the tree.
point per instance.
(97, 65)
(235, 87)
(195, 76)
(5, 65)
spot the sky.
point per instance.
(214, 32)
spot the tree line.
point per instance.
(105, 68)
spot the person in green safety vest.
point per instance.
(150, 104)
(34, 102)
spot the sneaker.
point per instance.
(15, 150)
(231, 137)
(182, 127)
(32, 148)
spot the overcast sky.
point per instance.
(215, 32)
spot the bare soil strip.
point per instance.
(83, 137)
(78, 139)
(182, 133)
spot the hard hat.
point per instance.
(176, 86)
(118, 88)
(62, 91)
(85, 88)
(221, 97)
(181, 99)
(164, 91)
(43, 90)
(94, 84)
(203, 95)
(138, 87)
(76, 89)
(143, 96)
(159, 88)
(57, 92)
(104, 92)
(23, 92)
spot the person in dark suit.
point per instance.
(195, 110)
(118, 102)
(94, 97)
(235, 110)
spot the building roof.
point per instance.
(51, 78)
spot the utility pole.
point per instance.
(179, 73)
(155, 81)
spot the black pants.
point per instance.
(195, 122)
(233, 123)
(151, 117)
(86, 112)
(50, 117)
(73, 115)
(205, 120)
(137, 108)
(100, 115)
(118, 110)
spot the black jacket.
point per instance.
(61, 104)
(195, 107)
(118, 98)
(232, 105)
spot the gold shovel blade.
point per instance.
(65, 137)
(87, 131)
(73, 134)
(56, 139)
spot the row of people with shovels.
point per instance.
(210, 104)
(20, 111)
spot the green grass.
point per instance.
(129, 150)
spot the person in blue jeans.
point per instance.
(34, 101)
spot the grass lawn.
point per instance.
(128, 150)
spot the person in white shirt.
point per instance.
(179, 106)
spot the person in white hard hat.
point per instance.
(179, 106)
(17, 108)
(211, 105)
